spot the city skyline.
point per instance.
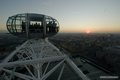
(81, 16)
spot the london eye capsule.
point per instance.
(31, 25)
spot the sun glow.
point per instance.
(88, 31)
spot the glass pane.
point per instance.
(17, 22)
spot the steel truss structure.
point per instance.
(37, 60)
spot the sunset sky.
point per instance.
(72, 15)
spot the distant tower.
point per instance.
(35, 59)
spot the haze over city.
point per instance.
(87, 16)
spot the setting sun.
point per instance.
(88, 31)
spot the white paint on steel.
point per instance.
(36, 53)
(76, 69)
(14, 52)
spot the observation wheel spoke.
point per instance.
(46, 68)
(33, 62)
(23, 76)
(52, 70)
(30, 72)
(59, 77)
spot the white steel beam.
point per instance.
(76, 69)
(27, 62)
(53, 46)
(23, 76)
(46, 68)
(59, 77)
(52, 70)
(14, 52)
(37, 54)
(30, 72)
